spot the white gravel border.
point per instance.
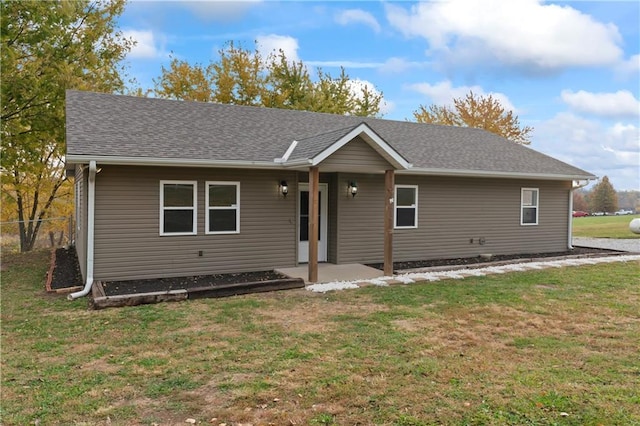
(463, 273)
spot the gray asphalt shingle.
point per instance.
(127, 126)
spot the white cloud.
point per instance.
(619, 104)
(525, 34)
(147, 44)
(443, 93)
(345, 64)
(219, 10)
(613, 151)
(272, 43)
(350, 16)
(629, 67)
(396, 65)
(356, 87)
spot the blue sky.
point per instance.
(571, 70)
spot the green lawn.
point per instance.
(557, 346)
(603, 227)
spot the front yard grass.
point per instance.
(603, 227)
(556, 346)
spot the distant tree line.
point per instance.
(604, 198)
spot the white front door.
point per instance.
(303, 223)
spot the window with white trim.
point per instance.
(223, 208)
(178, 207)
(529, 204)
(406, 206)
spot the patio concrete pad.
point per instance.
(328, 272)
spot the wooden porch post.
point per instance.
(389, 182)
(314, 187)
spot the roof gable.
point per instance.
(315, 149)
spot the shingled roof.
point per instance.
(133, 130)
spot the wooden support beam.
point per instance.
(389, 183)
(314, 195)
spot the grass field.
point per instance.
(555, 346)
(603, 227)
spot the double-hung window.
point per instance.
(406, 206)
(223, 208)
(178, 210)
(529, 203)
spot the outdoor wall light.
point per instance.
(353, 188)
(284, 188)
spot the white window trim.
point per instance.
(209, 208)
(194, 207)
(395, 207)
(522, 206)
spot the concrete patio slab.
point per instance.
(328, 272)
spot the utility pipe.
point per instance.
(574, 185)
(91, 200)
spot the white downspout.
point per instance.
(91, 199)
(574, 185)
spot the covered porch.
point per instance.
(329, 272)
(360, 214)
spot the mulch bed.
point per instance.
(66, 269)
(113, 288)
(398, 266)
(66, 272)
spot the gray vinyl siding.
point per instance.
(332, 231)
(452, 212)
(81, 219)
(355, 155)
(127, 240)
(361, 225)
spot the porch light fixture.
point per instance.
(353, 188)
(284, 188)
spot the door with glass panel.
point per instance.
(303, 223)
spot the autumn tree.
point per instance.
(483, 112)
(244, 77)
(579, 201)
(184, 81)
(237, 77)
(604, 197)
(629, 200)
(47, 47)
(288, 84)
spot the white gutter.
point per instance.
(171, 162)
(91, 201)
(490, 174)
(573, 188)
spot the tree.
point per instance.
(288, 84)
(604, 197)
(237, 77)
(483, 112)
(579, 201)
(629, 200)
(184, 81)
(47, 47)
(244, 77)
